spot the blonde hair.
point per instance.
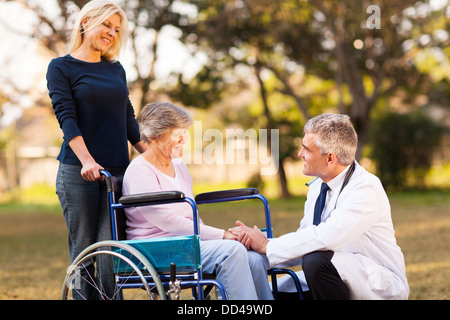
(335, 133)
(97, 11)
(157, 118)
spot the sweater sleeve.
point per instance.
(132, 126)
(133, 134)
(59, 86)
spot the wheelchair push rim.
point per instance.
(134, 279)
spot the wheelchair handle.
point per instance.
(104, 173)
(144, 198)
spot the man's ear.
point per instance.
(331, 159)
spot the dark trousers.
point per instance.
(322, 277)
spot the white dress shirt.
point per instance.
(356, 224)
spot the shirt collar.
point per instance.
(337, 181)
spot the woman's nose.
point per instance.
(182, 138)
(112, 33)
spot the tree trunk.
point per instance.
(284, 190)
(281, 172)
(361, 104)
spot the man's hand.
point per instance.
(251, 238)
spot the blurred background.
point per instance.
(259, 64)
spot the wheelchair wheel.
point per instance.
(111, 270)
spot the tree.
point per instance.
(146, 18)
(376, 62)
(368, 55)
(410, 153)
(51, 29)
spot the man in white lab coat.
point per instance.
(348, 251)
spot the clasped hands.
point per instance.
(251, 238)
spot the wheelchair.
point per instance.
(155, 268)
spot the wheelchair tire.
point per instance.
(111, 270)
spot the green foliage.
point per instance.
(200, 92)
(403, 144)
(257, 182)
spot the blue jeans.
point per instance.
(85, 210)
(243, 273)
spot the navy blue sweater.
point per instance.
(91, 100)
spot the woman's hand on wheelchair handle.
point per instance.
(90, 171)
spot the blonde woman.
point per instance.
(89, 95)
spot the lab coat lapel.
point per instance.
(332, 203)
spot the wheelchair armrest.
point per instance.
(223, 194)
(152, 197)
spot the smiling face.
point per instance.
(178, 138)
(315, 163)
(102, 36)
(170, 144)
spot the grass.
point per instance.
(34, 255)
(422, 224)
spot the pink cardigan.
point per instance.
(161, 220)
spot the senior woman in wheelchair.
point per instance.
(163, 129)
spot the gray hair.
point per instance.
(335, 133)
(157, 118)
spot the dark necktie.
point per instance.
(320, 203)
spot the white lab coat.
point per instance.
(357, 226)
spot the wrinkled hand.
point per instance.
(251, 238)
(241, 235)
(228, 235)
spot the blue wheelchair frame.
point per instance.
(247, 194)
(192, 277)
